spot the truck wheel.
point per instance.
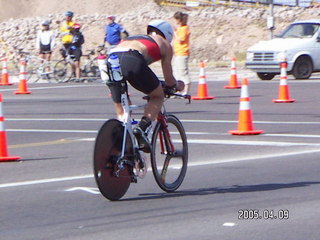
(302, 68)
(266, 76)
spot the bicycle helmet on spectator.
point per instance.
(68, 14)
(164, 27)
(45, 23)
(76, 26)
(111, 17)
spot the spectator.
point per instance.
(66, 36)
(113, 32)
(181, 48)
(76, 47)
(45, 41)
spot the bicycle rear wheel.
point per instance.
(106, 151)
(169, 156)
(91, 70)
(63, 71)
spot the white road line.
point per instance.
(182, 120)
(41, 181)
(85, 189)
(190, 164)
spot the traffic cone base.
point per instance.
(283, 100)
(232, 87)
(252, 132)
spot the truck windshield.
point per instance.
(300, 30)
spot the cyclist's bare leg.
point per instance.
(77, 69)
(154, 105)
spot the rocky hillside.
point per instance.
(218, 33)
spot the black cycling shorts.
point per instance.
(77, 53)
(136, 71)
(45, 48)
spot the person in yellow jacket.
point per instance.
(66, 36)
(181, 47)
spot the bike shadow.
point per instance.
(222, 190)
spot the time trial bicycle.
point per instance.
(118, 161)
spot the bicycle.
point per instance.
(43, 69)
(16, 58)
(64, 70)
(118, 162)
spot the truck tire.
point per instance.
(266, 76)
(302, 68)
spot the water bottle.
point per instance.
(116, 72)
(103, 67)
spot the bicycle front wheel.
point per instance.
(112, 182)
(169, 156)
(63, 71)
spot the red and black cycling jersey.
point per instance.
(152, 47)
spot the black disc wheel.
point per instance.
(169, 156)
(112, 182)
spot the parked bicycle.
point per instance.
(15, 61)
(118, 161)
(64, 70)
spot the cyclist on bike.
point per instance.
(45, 41)
(76, 47)
(66, 36)
(135, 54)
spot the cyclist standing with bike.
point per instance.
(76, 47)
(66, 36)
(135, 54)
(45, 41)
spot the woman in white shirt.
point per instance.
(45, 41)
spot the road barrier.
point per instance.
(233, 83)
(283, 96)
(202, 86)
(245, 123)
(3, 139)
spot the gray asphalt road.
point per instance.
(51, 193)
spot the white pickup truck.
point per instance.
(299, 44)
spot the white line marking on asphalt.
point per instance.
(229, 224)
(182, 120)
(85, 189)
(49, 180)
(190, 164)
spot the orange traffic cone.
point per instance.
(284, 96)
(233, 83)
(3, 139)
(22, 88)
(202, 86)
(5, 74)
(245, 125)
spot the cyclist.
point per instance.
(135, 54)
(66, 36)
(75, 48)
(113, 32)
(45, 41)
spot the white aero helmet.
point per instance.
(164, 27)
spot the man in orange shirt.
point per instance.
(181, 46)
